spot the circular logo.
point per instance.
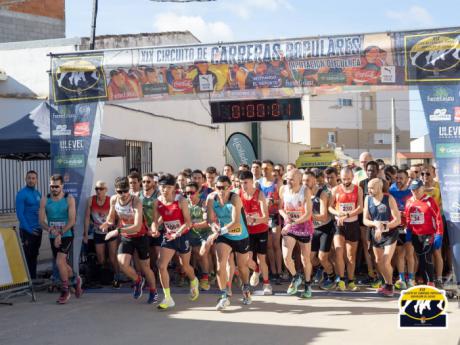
(436, 53)
(422, 303)
(77, 76)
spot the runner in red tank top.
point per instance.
(97, 210)
(176, 220)
(347, 204)
(256, 213)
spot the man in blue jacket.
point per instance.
(27, 206)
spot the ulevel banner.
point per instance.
(75, 134)
(241, 149)
(441, 105)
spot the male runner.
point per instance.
(127, 210)
(147, 196)
(381, 214)
(57, 216)
(211, 174)
(228, 171)
(27, 207)
(346, 205)
(256, 169)
(199, 178)
(270, 187)
(176, 219)
(404, 248)
(256, 212)
(134, 179)
(199, 232)
(296, 210)
(229, 233)
(424, 226)
(324, 228)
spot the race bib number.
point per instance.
(417, 218)
(57, 225)
(172, 226)
(235, 231)
(346, 207)
(294, 215)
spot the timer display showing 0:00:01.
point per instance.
(257, 110)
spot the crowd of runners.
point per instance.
(257, 225)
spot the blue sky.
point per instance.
(224, 20)
(239, 20)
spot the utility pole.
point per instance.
(93, 26)
(393, 132)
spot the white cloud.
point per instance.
(415, 15)
(245, 8)
(205, 31)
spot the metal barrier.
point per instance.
(12, 179)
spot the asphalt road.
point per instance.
(113, 317)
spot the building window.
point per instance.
(331, 137)
(382, 138)
(139, 156)
(344, 102)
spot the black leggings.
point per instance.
(423, 247)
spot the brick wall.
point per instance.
(46, 8)
(31, 20)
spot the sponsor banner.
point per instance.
(241, 149)
(440, 103)
(432, 57)
(75, 134)
(78, 78)
(226, 70)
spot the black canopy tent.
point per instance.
(29, 138)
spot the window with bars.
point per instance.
(138, 156)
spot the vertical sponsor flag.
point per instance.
(441, 105)
(78, 89)
(241, 149)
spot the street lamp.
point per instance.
(95, 6)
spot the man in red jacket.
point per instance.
(424, 224)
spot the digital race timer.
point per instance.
(256, 110)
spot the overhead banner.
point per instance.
(241, 149)
(441, 104)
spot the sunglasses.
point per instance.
(147, 181)
(221, 187)
(425, 174)
(98, 189)
(122, 191)
(190, 193)
(53, 186)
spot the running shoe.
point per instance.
(430, 284)
(278, 279)
(166, 303)
(293, 287)
(194, 290)
(116, 284)
(212, 279)
(254, 281)
(376, 283)
(386, 291)
(247, 297)
(341, 285)
(153, 297)
(268, 290)
(137, 293)
(410, 283)
(438, 284)
(318, 279)
(78, 289)
(223, 303)
(400, 284)
(306, 293)
(353, 287)
(64, 297)
(204, 285)
(328, 284)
